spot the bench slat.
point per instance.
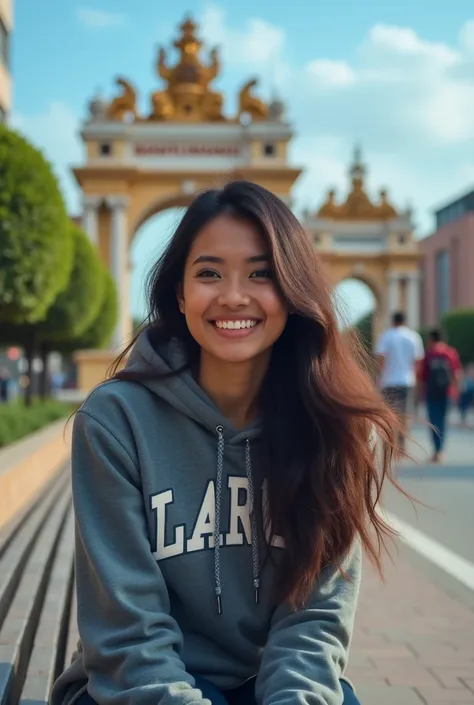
(18, 630)
(9, 531)
(15, 558)
(47, 657)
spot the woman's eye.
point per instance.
(262, 274)
(207, 274)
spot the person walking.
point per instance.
(224, 481)
(399, 353)
(442, 372)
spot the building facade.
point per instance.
(448, 261)
(6, 25)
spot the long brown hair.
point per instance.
(321, 411)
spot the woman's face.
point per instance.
(229, 297)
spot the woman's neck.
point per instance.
(233, 387)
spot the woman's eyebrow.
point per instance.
(220, 260)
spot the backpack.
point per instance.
(439, 377)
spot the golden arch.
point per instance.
(172, 201)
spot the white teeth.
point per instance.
(236, 325)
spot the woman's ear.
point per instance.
(180, 297)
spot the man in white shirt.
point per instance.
(399, 353)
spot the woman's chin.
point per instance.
(233, 354)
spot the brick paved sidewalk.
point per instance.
(413, 643)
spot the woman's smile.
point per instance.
(236, 328)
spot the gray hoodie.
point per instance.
(158, 476)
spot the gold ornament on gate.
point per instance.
(250, 104)
(188, 96)
(357, 205)
(125, 104)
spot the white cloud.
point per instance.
(258, 43)
(405, 42)
(331, 74)
(100, 19)
(466, 37)
(55, 132)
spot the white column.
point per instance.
(413, 300)
(90, 218)
(119, 267)
(393, 295)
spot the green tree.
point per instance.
(35, 243)
(459, 328)
(99, 332)
(77, 306)
(79, 303)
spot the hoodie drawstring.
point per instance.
(253, 517)
(217, 522)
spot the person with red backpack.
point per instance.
(441, 375)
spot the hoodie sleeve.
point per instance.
(130, 642)
(307, 651)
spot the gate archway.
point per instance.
(138, 164)
(354, 299)
(373, 243)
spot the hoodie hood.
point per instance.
(181, 390)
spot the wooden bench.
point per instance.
(38, 631)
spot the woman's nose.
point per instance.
(233, 296)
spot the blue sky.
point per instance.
(397, 77)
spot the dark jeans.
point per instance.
(244, 695)
(400, 400)
(466, 400)
(437, 412)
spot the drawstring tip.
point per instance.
(256, 594)
(219, 604)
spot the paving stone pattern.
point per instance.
(413, 643)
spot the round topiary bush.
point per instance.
(99, 332)
(35, 241)
(78, 305)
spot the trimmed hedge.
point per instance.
(459, 328)
(17, 421)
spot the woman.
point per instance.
(224, 483)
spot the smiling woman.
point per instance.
(226, 481)
(230, 295)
